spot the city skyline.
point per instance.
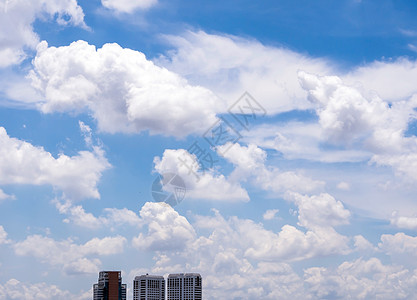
(178, 286)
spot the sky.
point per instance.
(268, 145)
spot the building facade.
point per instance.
(109, 286)
(186, 286)
(148, 287)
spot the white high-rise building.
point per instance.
(148, 287)
(186, 286)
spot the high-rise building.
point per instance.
(186, 286)
(109, 286)
(148, 287)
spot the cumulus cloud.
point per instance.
(347, 116)
(240, 259)
(252, 240)
(15, 289)
(352, 119)
(292, 244)
(200, 184)
(72, 258)
(128, 6)
(167, 230)
(121, 89)
(112, 217)
(319, 210)
(403, 221)
(76, 176)
(270, 214)
(361, 279)
(399, 243)
(16, 24)
(250, 162)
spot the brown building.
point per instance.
(109, 286)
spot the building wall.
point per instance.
(184, 287)
(147, 287)
(113, 286)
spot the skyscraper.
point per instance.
(184, 286)
(148, 287)
(109, 286)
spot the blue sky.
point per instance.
(314, 198)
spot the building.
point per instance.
(109, 286)
(184, 286)
(148, 287)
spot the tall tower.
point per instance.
(109, 286)
(148, 287)
(184, 286)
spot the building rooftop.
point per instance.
(184, 275)
(149, 276)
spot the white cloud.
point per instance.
(352, 119)
(319, 210)
(122, 216)
(250, 162)
(403, 221)
(251, 240)
(68, 255)
(15, 289)
(76, 176)
(239, 259)
(4, 196)
(229, 65)
(87, 133)
(361, 279)
(292, 244)
(412, 47)
(200, 184)
(399, 243)
(262, 281)
(112, 217)
(3, 236)
(167, 230)
(122, 90)
(128, 6)
(405, 165)
(270, 214)
(343, 186)
(392, 80)
(77, 215)
(361, 244)
(293, 138)
(348, 117)
(16, 24)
